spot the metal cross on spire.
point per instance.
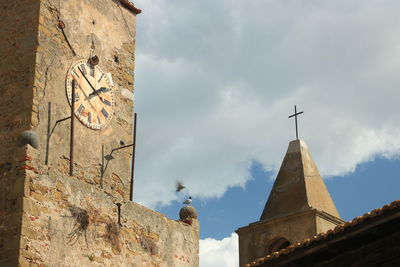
(295, 119)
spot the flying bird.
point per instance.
(188, 201)
(179, 186)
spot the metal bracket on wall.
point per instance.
(119, 213)
(50, 132)
(110, 157)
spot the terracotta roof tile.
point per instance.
(340, 228)
(130, 6)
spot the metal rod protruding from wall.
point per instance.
(51, 131)
(46, 161)
(119, 214)
(295, 118)
(102, 167)
(121, 147)
(71, 145)
(133, 156)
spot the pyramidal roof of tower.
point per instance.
(298, 186)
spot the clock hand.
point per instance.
(91, 86)
(104, 90)
(101, 90)
(86, 96)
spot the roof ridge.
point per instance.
(338, 229)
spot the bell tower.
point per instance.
(299, 206)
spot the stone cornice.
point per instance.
(261, 224)
(130, 6)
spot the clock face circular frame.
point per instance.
(94, 97)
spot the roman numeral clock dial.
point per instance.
(94, 98)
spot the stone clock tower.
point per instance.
(65, 187)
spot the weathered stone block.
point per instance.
(31, 207)
(13, 221)
(40, 188)
(19, 188)
(60, 187)
(29, 232)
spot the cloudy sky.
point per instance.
(216, 81)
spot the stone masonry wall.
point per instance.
(47, 217)
(18, 31)
(70, 223)
(91, 27)
(324, 225)
(255, 239)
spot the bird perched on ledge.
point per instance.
(188, 201)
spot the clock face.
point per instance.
(94, 98)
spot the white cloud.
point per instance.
(216, 80)
(219, 253)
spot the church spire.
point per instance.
(298, 186)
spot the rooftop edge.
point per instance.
(130, 6)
